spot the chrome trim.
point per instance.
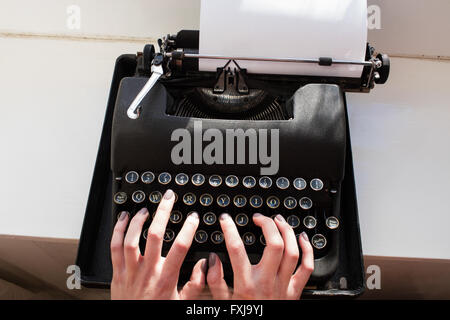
(136, 192)
(129, 172)
(288, 183)
(240, 215)
(209, 223)
(318, 236)
(164, 183)
(232, 185)
(146, 173)
(234, 200)
(181, 174)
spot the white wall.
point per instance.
(54, 89)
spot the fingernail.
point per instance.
(204, 266)
(168, 195)
(224, 216)
(143, 211)
(193, 214)
(280, 218)
(212, 259)
(123, 215)
(256, 215)
(304, 236)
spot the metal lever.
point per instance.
(134, 109)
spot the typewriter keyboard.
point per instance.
(306, 204)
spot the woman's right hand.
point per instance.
(273, 277)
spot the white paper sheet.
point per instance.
(285, 29)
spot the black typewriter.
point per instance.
(311, 184)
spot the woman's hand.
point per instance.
(273, 277)
(152, 276)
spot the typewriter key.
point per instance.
(249, 182)
(223, 200)
(217, 237)
(169, 235)
(248, 238)
(215, 180)
(273, 202)
(256, 201)
(132, 177)
(206, 199)
(147, 177)
(181, 179)
(231, 181)
(299, 183)
(155, 197)
(305, 203)
(189, 199)
(318, 241)
(138, 196)
(316, 184)
(332, 223)
(290, 203)
(265, 182)
(310, 222)
(144, 234)
(164, 178)
(198, 179)
(201, 236)
(241, 219)
(120, 198)
(282, 183)
(176, 216)
(262, 240)
(293, 221)
(239, 201)
(209, 218)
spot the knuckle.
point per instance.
(129, 246)
(116, 246)
(154, 236)
(248, 290)
(235, 247)
(292, 255)
(276, 245)
(308, 267)
(181, 246)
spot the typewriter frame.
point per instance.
(94, 251)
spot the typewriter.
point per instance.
(168, 92)
(156, 93)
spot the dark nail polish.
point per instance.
(212, 259)
(280, 218)
(168, 195)
(193, 214)
(204, 264)
(123, 215)
(304, 236)
(143, 211)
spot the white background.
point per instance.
(54, 86)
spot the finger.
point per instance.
(117, 256)
(273, 252)
(155, 234)
(216, 282)
(291, 253)
(235, 247)
(301, 276)
(181, 245)
(196, 284)
(131, 242)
